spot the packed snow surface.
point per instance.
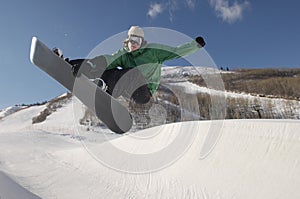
(58, 159)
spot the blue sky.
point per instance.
(238, 33)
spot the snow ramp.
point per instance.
(247, 159)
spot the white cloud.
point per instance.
(170, 6)
(191, 3)
(155, 9)
(229, 13)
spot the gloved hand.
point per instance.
(200, 41)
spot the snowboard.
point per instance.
(113, 114)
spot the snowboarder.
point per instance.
(135, 70)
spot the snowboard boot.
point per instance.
(58, 52)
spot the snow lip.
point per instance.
(10, 189)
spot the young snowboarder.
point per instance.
(135, 70)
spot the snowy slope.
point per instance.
(10, 110)
(20, 119)
(10, 189)
(252, 159)
(58, 158)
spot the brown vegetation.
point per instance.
(279, 83)
(269, 83)
(51, 107)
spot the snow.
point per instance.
(58, 158)
(10, 110)
(181, 71)
(10, 189)
(19, 120)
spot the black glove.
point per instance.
(200, 41)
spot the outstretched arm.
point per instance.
(164, 52)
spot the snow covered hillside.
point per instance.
(247, 159)
(10, 110)
(59, 150)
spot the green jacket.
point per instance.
(149, 59)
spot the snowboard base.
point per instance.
(113, 114)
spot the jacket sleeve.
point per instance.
(104, 62)
(114, 60)
(164, 52)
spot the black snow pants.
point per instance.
(128, 82)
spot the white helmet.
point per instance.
(136, 31)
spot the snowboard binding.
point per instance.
(100, 83)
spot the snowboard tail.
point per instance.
(116, 117)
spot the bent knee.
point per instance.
(142, 100)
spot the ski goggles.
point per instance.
(135, 40)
